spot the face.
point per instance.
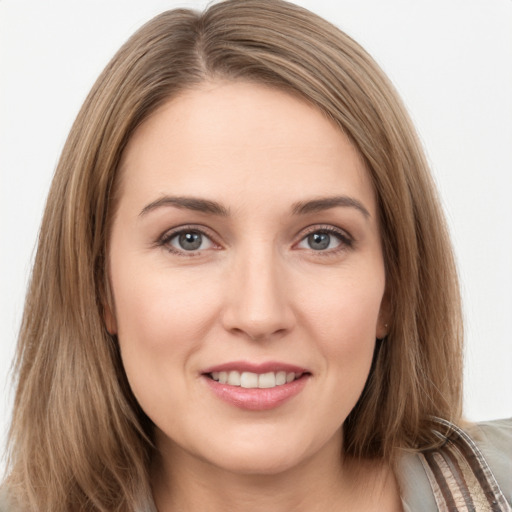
(247, 277)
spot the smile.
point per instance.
(251, 380)
(256, 387)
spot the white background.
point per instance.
(451, 60)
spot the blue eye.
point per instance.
(324, 240)
(188, 241)
(319, 241)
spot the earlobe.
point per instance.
(383, 321)
(107, 299)
(382, 331)
(109, 319)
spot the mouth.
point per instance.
(252, 380)
(256, 387)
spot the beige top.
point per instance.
(422, 493)
(422, 477)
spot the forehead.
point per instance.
(249, 138)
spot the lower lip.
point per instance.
(257, 399)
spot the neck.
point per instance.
(325, 482)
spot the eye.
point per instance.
(325, 239)
(187, 240)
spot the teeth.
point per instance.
(267, 380)
(281, 378)
(251, 380)
(234, 379)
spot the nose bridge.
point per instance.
(257, 300)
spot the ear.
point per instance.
(384, 318)
(109, 319)
(107, 300)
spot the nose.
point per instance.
(258, 297)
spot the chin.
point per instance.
(262, 455)
(259, 464)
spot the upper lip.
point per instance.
(265, 367)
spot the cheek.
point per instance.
(156, 308)
(344, 309)
(162, 321)
(343, 319)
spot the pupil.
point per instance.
(190, 241)
(319, 241)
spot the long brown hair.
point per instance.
(79, 440)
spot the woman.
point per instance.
(236, 298)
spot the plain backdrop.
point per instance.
(451, 60)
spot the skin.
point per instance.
(255, 290)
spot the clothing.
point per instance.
(434, 481)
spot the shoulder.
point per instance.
(494, 439)
(5, 505)
(480, 454)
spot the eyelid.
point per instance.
(165, 238)
(346, 239)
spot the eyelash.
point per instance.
(168, 236)
(346, 240)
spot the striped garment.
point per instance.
(460, 477)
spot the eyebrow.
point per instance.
(326, 203)
(187, 203)
(212, 207)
